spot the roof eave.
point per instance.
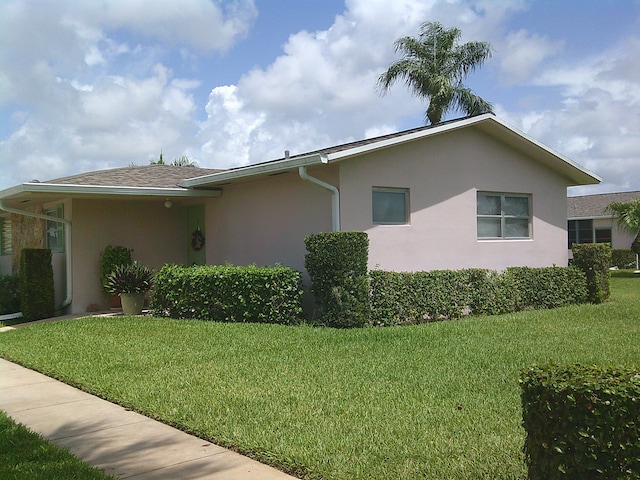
(102, 190)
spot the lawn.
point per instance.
(25, 455)
(438, 401)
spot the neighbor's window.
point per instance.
(390, 206)
(503, 216)
(582, 231)
(55, 230)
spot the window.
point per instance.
(5, 237)
(390, 206)
(503, 215)
(582, 231)
(55, 230)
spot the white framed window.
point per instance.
(55, 230)
(503, 215)
(390, 206)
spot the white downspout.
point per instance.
(335, 197)
(67, 247)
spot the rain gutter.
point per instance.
(335, 196)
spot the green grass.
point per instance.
(25, 455)
(437, 401)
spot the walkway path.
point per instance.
(120, 442)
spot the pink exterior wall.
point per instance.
(265, 222)
(158, 235)
(619, 238)
(443, 174)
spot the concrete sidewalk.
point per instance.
(120, 442)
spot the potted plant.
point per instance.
(112, 257)
(131, 283)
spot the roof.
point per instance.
(591, 206)
(486, 123)
(149, 181)
(158, 176)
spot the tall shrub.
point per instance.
(594, 259)
(337, 264)
(36, 284)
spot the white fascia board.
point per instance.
(352, 152)
(105, 190)
(258, 169)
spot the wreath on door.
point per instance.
(197, 240)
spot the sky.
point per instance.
(91, 85)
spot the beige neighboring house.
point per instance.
(589, 221)
(472, 192)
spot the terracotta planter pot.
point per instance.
(132, 303)
(114, 302)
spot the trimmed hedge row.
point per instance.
(9, 294)
(581, 422)
(402, 298)
(37, 299)
(228, 293)
(337, 265)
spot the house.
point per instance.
(472, 192)
(589, 221)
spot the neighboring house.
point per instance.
(471, 192)
(589, 221)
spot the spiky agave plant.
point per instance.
(130, 279)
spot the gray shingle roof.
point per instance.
(588, 206)
(157, 176)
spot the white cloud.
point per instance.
(521, 54)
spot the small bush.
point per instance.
(594, 259)
(581, 422)
(9, 294)
(337, 264)
(623, 258)
(228, 293)
(36, 284)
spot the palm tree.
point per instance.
(628, 217)
(434, 66)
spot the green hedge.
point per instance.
(547, 287)
(594, 259)
(37, 298)
(623, 258)
(337, 264)
(9, 294)
(401, 298)
(581, 422)
(228, 293)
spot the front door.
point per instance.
(196, 247)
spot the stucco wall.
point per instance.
(619, 238)
(158, 235)
(444, 174)
(265, 222)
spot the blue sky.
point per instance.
(101, 84)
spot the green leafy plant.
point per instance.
(112, 257)
(581, 422)
(132, 278)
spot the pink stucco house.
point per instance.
(472, 192)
